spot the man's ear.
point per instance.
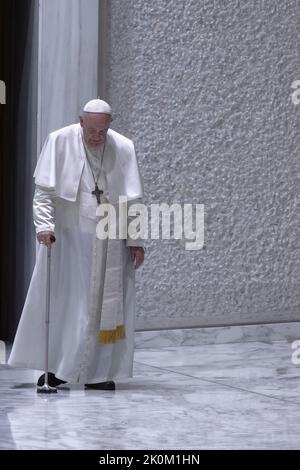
(80, 120)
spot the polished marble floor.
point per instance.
(222, 396)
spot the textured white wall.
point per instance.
(203, 88)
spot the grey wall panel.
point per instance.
(203, 88)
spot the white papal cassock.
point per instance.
(64, 181)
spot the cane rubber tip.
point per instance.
(46, 389)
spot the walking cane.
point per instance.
(46, 387)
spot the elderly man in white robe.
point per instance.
(92, 298)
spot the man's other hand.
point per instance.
(137, 255)
(46, 238)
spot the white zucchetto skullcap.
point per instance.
(97, 106)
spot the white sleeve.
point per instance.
(131, 241)
(44, 209)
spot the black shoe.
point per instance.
(52, 380)
(110, 385)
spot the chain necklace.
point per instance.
(97, 192)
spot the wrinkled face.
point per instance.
(95, 127)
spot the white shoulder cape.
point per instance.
(62, 159)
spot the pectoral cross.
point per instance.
(97, 193)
